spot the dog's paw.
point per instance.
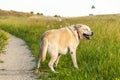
(55, 72)
(76, 66)
(37, 71)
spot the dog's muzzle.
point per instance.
(87, 36)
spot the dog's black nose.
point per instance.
(92, 33)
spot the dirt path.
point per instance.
(18, 61)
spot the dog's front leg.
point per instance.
(73, 56)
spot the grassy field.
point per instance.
(3, 40)
(98, 58)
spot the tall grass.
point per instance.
(3, 40)
(98, 58)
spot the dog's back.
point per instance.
(61, 36)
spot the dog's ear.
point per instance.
(77, 26)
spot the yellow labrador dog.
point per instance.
(59, 42)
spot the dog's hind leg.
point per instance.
(38, 63)
(52, 61)
(56, 62)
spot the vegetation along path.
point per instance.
(18, 61)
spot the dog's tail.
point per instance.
(44, 47)
(42, 53)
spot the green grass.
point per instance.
(98, 58)
(3, 40)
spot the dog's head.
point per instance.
(83, 31)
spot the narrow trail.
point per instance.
(18, 61)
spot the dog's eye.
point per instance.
(86, 29)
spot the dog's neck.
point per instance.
(77, 32)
